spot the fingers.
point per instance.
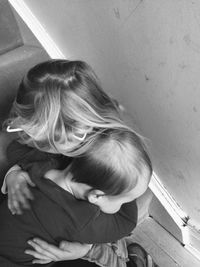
(40, 251)
(44, 249)
(14, 207)
(41, 261)
(37, 254)
(39, 257)
(22, 198)
(23, 181)
(25, 191)
(17, 201)
(19, 195)
(27, 178)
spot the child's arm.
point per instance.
(104, 228)
(44, 252)
(101, 254)
(16, 180)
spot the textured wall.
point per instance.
(147, 54)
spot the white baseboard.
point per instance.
(36, 27)
(190, 235)
(174, 210)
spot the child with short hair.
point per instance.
(108, 177)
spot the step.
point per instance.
(13, 66)
(10, 37)
(162, 246)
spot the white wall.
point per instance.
(147, 54)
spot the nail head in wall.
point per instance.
(194, 109)
(146, 78)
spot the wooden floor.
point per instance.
(162, 246)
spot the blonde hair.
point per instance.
(60, 99)
(116, 162)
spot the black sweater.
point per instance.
(55, 214)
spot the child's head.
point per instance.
(60, 106)
(116, 168)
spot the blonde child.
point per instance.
(60, 108)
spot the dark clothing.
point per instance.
(83, 263)
(55, 214)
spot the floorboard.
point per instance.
(162, 246)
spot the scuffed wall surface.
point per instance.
(147, 54)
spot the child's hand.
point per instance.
(44, 252)
(18, 192)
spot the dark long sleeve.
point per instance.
(90, 225)
(104, 228)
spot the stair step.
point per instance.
(161, 216)
(10, 37)
(162, 246)
(14, 65)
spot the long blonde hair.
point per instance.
(59, 100)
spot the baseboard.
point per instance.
(169, 203)
(37, 29)
(190, 235)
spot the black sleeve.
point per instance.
(104, 228)
(26, 157)
(16, 152)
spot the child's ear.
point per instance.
(94, 196)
